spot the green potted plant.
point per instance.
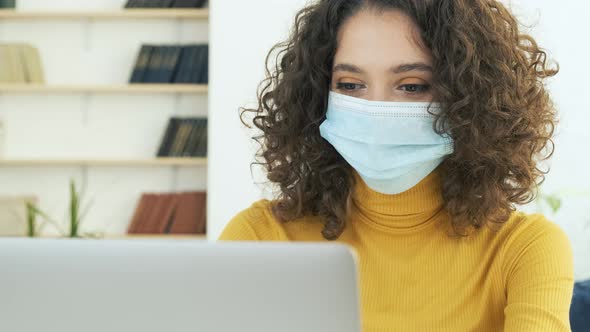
(75, 216)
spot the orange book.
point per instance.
(188, 217)
(202, 226)
(166, 216)
(142, 210)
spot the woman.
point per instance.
(409, 129)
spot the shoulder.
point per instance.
(538, 275)
(534, 243)
(526, 230)
(255, 222)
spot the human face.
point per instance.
(380, 57)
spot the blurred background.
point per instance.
(117, 112)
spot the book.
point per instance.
(176, 141)
(137, 214)
(173, 140)
(171, 55)
(201, 149)
(193, 135)
(12, 66)
(185, 64)
(32, 64)
(168, 138)
(188, 3)
(202, 210)
(194, 63)
(6, 67)
(189, 217)
(204, 66)
(131, 4)
(149, 4)
(15, 57)
(153, 214)
(142, 212)
(181, 138)
(7, 3)
(194, 138)
(181, 64)
(184, 137)
(141, 64)
(175, 213)
(165, 3)
(195, 70)
(200, 63)
(152, 72)
(165, 216)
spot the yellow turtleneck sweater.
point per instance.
(415, 277)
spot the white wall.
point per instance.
(243, 31)
(78, 126)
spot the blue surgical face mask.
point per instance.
(392, 145)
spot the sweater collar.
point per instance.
(408, 211)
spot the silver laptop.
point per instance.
(52, 285)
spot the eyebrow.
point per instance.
(405, 67)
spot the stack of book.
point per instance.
(7, 3)
(20, 63)
(184, 137)
(170, 213)
(172, 64)
(165, 3)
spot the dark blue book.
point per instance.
(181, 138)
(168, 138)
(199, 142)
(7, 3)
(141, 64)
(188, 3)
(165, 3)
(153, 72)
(185, 64)
(170, 59)
(201, 148)
(181, 65)
(193, 137)
(132, 4)
(204, 66)
(150, 4)
(200, 64)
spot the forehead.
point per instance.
(369, 37)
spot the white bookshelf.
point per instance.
(87, 122)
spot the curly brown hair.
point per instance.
(487, 75)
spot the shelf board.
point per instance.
(202, 13)
(157, 162)
(107, 89)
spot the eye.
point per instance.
(348, 86)
(414, 88)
